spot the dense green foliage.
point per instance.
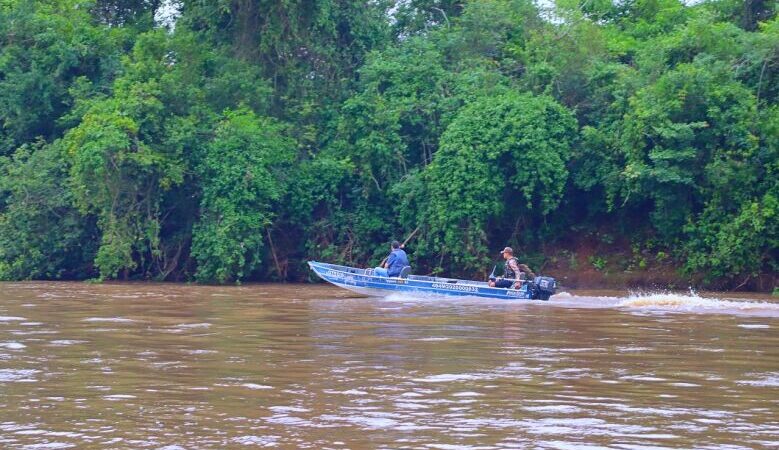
(233, 140)
(502, 159)
(243, 176)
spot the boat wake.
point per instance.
(642, 302)
(694, 303)
(672, 302)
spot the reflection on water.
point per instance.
(183, 367)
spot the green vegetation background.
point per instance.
(230, 140)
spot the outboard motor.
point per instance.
(543, 288)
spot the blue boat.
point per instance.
(363, 281)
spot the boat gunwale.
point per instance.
(424, 278)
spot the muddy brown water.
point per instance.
(167, 366)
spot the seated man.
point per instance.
(513, 273)
(395, 263)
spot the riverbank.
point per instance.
(588, 265)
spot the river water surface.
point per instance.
(173, 367)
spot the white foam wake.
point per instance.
(693, 302)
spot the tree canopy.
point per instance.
(233, 140)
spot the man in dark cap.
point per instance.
(512, 276)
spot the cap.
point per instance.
(507, 250)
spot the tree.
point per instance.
(501, 159)
(243, 176)
(121, 162)
(46, 49)
(42, 234)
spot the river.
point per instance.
(172, 366)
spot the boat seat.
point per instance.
(405, 272)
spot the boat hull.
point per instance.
(363, 281)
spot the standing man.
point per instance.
(395, 263)
(512, 276)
